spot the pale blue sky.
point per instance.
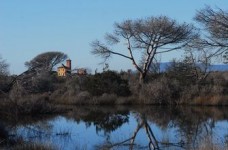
(30, 27)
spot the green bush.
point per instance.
(107, 82)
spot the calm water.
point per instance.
(128, 127)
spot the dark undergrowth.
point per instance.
(112, 88)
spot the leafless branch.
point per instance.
(147, 35)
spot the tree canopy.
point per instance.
(215, 23)
(46, 61)
(150, 36)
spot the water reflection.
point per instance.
(105, 119)
(194, 124)
(128, 128)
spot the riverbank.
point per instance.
(169, 88)
(113, 88)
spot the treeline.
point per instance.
(176, 86)
(180, 84)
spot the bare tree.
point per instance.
(199, 59)
(225, 57)
(4, 78)
(3, 67)
(215, 23)
(150, 36)
(153, 143)
(46, 61)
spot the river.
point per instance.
(127, 127)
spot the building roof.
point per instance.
(63, 66)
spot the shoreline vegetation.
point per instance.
(112, 88)
(48, 92)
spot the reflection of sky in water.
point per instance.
(220, 131)
(85, 137)
(126, 131)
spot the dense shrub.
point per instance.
(83, 97)
(67, 90)
(105, 99)
(38, 83)
(107, 82)
(30, 105)
(4, 83)
(184, 72)
(42, 84)
(160, 91)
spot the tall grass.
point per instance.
(29, 105)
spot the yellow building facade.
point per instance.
(64, 70)
(61, 71)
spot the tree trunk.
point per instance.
(142, 78)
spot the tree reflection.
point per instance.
(195, 126)
(142, 124)
(145, 126)
(106, 119)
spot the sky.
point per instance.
(31, 27)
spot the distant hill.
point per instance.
(221, 67)
(217, 67)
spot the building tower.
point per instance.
(68, 64)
